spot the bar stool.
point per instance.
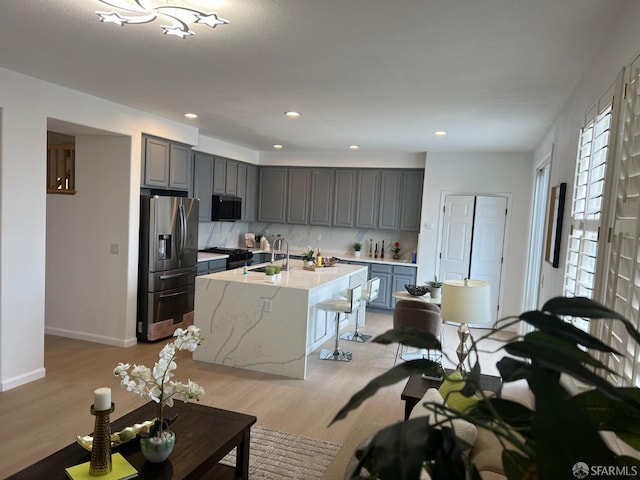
(371, 293)
(340, 306)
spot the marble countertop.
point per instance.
(296, 277)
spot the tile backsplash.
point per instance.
(332, 240)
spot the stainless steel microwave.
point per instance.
(225, 208)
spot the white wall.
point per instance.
(507, 174)
(80, 230)
(26, 105)
(621, 47)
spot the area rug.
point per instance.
(275, 455)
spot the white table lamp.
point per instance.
(466, 301)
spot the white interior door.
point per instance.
(457, 232)
(487, 245)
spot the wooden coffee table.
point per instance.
(204, 435)
(417, 386)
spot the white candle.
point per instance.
(102, 399)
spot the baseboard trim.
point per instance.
(23, 379)
(90, 337)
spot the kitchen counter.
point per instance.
(345, 257)
(205, 257)
(269, 327)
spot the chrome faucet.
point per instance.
(279, 240)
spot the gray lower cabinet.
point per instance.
(384, 296)
(272, 194)
(203, 184)
(261, 258)
(367, 198)
(344, 203)
(393, 278)
(166, 164)
(321, 197)
(298, 196)
(401, 276)
(411, 200)
(389, 207)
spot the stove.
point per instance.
(237, 256)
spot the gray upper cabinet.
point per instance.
(298, 196)
(220, 176)
(203, 184)
(272, 196)
(156, 162)
(367, 199)
(249, 202)
(231, 179)
(389, 208)
(241, 190)
(166, 164)
(344, 198)
(321, 207)
(179, 167)
(411, 200)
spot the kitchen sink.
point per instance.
(258, 270)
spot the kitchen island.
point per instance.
(269, 327)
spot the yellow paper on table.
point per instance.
(121, 469)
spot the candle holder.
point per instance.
(100, 463)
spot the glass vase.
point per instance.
(157, 448)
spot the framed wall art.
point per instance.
(554, 224)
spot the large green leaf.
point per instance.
(564, 435)
(397, 451)
(513, 413)
(512, 369)
(563, 347)
(558, 361)
(558, 328)
(411, 337)
(609, 414)
(585, 307)
(397, 373)
(516, 466)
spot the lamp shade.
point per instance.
(466, 301)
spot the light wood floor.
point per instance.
(43, 416)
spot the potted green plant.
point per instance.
(270, 274)
(435, 287)
(357, 247)
(562, 432)
(307, 256)
(396, 250)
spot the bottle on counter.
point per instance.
(371, 248)
(382, 251)
(375, 254)
(319, 258)
(413, 257)
(245, 269)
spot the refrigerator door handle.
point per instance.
(175, 275)
(181, 231)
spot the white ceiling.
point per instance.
(377, 73)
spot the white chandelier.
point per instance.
(146, 11)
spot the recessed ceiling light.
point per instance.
(354, 147)
(440, 133)
(277, 146)
(292, 114)
(190, 116)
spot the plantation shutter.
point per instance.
(587, 203)
(623, 278)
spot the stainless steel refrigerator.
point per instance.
(167, 266)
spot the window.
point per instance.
(587, 203)
(61, 169)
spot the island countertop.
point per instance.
(296, 277)
(270, 327)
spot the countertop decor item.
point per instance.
(357, 247)
(396, 250)
(307, 256)
(417, 290)
(156, 385)
(435, 286)
(100, 462)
